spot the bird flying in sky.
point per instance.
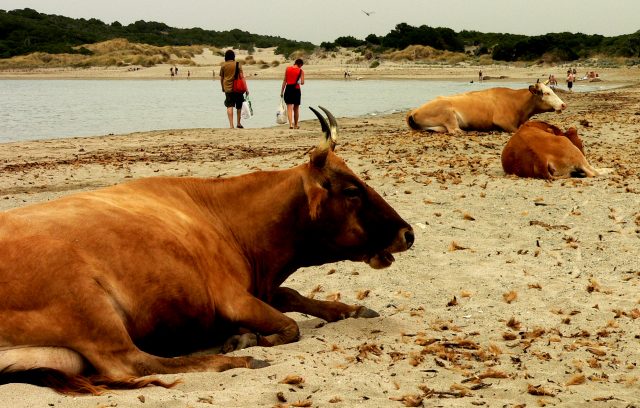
(368, 13)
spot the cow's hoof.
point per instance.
(255, 363)
(239, 342)
(366, 313)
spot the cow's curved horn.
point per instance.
(333, 125)
(323, 122)
(329, 130)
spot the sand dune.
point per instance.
(329, 65)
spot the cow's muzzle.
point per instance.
(562, 107)
(404, 240)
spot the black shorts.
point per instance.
(569, 84)
(292, 95)
(233, 99)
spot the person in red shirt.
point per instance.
(293, 78)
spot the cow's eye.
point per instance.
(351, 192)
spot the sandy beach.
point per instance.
(329, 65)
(517, 292)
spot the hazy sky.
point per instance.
(325, 20)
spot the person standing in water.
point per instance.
(293, 79)
(570, 79)
(231, 99)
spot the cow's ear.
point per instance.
(315, 196)
(571, 133)
(319, 157)
(534, 90)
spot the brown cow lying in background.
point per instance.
(122, 282)
(541, 150)
(494, 108)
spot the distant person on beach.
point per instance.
(293, 79)
(171, 70)
(231, 99)
(176, 69)
(480, 76)
(570, 79)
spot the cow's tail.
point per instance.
(411, 122)
(603, 170)
(78, 384)
(588, 171)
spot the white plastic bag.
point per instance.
(281, 114)
(247, 109)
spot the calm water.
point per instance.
(46, 109)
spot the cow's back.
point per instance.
(488, 109)
(480, 109)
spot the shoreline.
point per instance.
(315, 70)
(611, 84)
(265, 63)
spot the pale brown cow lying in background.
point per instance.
(494, 108)
(117, 281)
(541, 150)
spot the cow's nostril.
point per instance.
(409, 238)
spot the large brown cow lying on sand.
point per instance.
(117, 282)
(494, 108)
(541, 150)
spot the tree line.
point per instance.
(26, 31)
(553, 47)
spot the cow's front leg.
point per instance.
(288, 300)
(263, 324)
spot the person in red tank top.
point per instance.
(293, 78)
